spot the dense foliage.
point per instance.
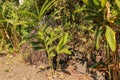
(70, 27)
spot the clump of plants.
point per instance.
(105, 16)
(54, 42)
(31, 22)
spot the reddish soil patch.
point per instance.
(14, 68)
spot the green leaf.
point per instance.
(41, 36)
(97, 37)
(65, 50)
(118, 22)
(50, 38)
(24, 32)
(46, 6)
(50, 41)
(59, 45)
(103, 3)
(51, 49)
(65, 38)
(96, 2)
(62, 42)
(56, 12)
(78, 10)
(28, 13)
(88, 2)
(22, 42)
(38, 48)
(52, 54)
(110, 37)
(11, 50)
(118, 3)
(8, 21)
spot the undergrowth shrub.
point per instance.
(105, 15)
(64, 27)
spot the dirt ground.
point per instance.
(14, 68)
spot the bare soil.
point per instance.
(14, 68)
